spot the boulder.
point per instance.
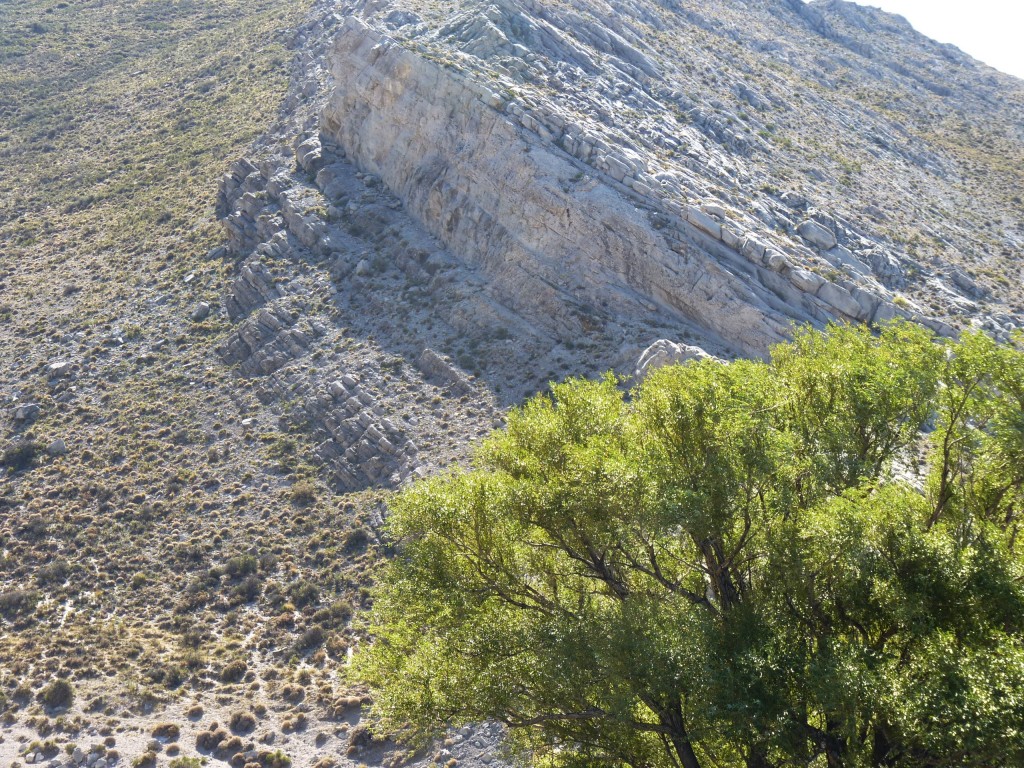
(664, 352)
(59, 370)
(200, 311)
(26, 412)
(840, 299)
(434, 366)
(806, 281)
(817, 235)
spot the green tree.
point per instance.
(728, 566)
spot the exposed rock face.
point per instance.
(561, 217)
(551, 231)
(801, 126)
(480, 200)
(549, 238)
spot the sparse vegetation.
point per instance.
(233, 672)
(18, 602)
(168, 533)
(303, 492)
(242, 722)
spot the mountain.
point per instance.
(261, 263)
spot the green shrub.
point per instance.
(356, 540)
(311, 638)
(54, 572)
(233, 671)
(303, 492)
(242, 565)
(18, 602)
(247, 590)
(275, 759)
(303, 593)
(728, 566)
(57, 695)
(242, 722)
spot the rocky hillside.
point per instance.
(221, 351)
(791, 156)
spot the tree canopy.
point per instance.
(810, 561)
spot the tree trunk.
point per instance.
(758, 759)
(881, 747)
(722, 584)
(672, 718)
(835, 746)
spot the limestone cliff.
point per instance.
(553, 236)
(880, 167)
(555, 232)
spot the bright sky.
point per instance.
(991, 31)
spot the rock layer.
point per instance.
(555, 242)
(564, 227)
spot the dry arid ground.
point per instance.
(166, 549)
(200, 422)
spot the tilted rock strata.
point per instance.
(556, 223)
(535, 189)
(762, 117)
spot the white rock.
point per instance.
(704, 222)
(200, 311)
(457, 164)
(59, 370)
(664, 352)
(806, 281)
(753, 249)
(839, 298)
(731, 238)
(816, 234)
(776, 261)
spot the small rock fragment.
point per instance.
(201, 311)
(26, 412)
(59, 370)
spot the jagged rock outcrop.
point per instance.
(561, 221)
(810, 128)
